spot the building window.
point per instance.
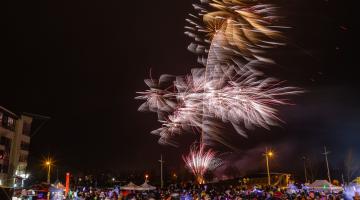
(5, 141)
(11, 123)
(4, 168)
(4, 156)
(25, 146)
(23, 158)
(7, 122)
(26, 129)
(1, 118)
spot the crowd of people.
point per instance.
(209, 192)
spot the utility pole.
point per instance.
(305, 173)
(327, 163)
(311, 170)
(161, 171)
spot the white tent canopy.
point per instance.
(146, 186)
(324, 186)
(130, 186)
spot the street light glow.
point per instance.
(270, 153)
(48, 161)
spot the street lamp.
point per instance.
(268, 154)
(174, 177)
(48, 165)
(146, 177)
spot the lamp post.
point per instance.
(268, 154)
(175, 176)
(146, 177)
(48, 164)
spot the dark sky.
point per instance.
(81, 62)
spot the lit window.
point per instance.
(10, 122)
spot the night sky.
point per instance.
(81, 62)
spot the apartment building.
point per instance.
(15, 132)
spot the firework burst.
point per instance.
(247, 27)
(231, 39)
(199, 161)
(197, 103)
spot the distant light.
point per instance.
(270, 153)
(113, 179)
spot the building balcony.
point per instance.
(9, 126)
(23, 163)
(24, 152)
(25, 138)
(6, 133)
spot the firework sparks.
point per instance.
(199, 161)
(247, 26)
(229, 89)
(230, 38)
(243, 100)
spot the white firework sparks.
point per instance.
(241, 100)
(199, 161)
(230, 38)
